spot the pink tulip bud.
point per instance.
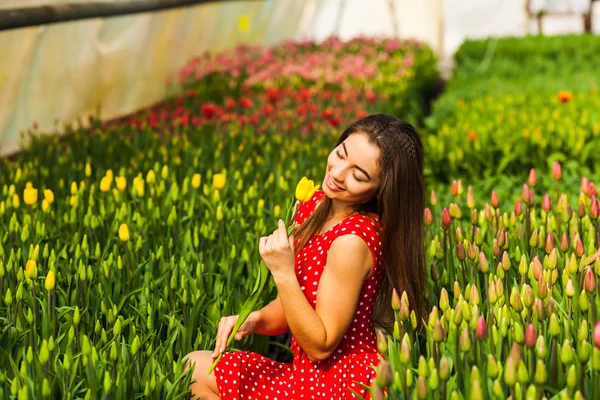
(556, 170)
(596, 334)
(585, 183)
(470, 197)
(581, 210)
(546, 203)
(518, 207)
(494, 199)
(542, 287)
(395, 300)
(532, 177)
(433, 199)
(590, 281)
(530, 199)
(530, 336)
(501, 237)
(524, 192)
(564, 242)
(454, 189)
(579, 248)
(538, 309)
(594, 209)
(549, 243)
(460, 251)
(446, 218)
(481, 329)
(487, 212)
(428, 216)
(472, 251)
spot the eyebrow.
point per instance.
(359, 168)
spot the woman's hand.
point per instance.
(277, 251)
(226, 326)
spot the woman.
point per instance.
(355, 240)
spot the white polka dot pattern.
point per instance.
(248, 375)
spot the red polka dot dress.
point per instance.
(248, 375)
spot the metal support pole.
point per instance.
(33, 16)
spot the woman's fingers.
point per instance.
(225, 327)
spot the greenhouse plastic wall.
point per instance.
(65, 71)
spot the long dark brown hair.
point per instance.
(399, 203)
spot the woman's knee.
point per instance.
(202, 360)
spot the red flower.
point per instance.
(208, 110)
(268, 109)
(272, 95)
(230, 104)
(245, 102)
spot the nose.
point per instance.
(335, 177)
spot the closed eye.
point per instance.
(340, 156)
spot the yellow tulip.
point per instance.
(30, 196)
(219, 181)
(196, 181)
(121, 183)
(45, 205)
(15, 201)
(150, 177)
(31, 269)
(305, 189)
(105, 184)
(276, 211)
(73, 201)
(88, 169)
(73, 188)
(49, 196)
(50, 281)
(164, 173)
(109, 173)
(138, 184)
(124, 233)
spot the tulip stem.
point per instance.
(593, 303)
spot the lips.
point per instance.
(332, 185)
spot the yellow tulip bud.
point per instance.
(219, 213)
(196, 181)
(15, 201)
(109, 173)
(164, 173)
(124, 233)
(219, 181)
(31, 269)
(150, 177)
(105, 184)
(276, 211)
(49, 196)
(30, 196)
(50, 281)
(138, 184)
(88, 169)
(28, 185)
(121, 183)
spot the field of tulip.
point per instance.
(515, 104)
(124, 243)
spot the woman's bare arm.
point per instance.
(271, 319)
